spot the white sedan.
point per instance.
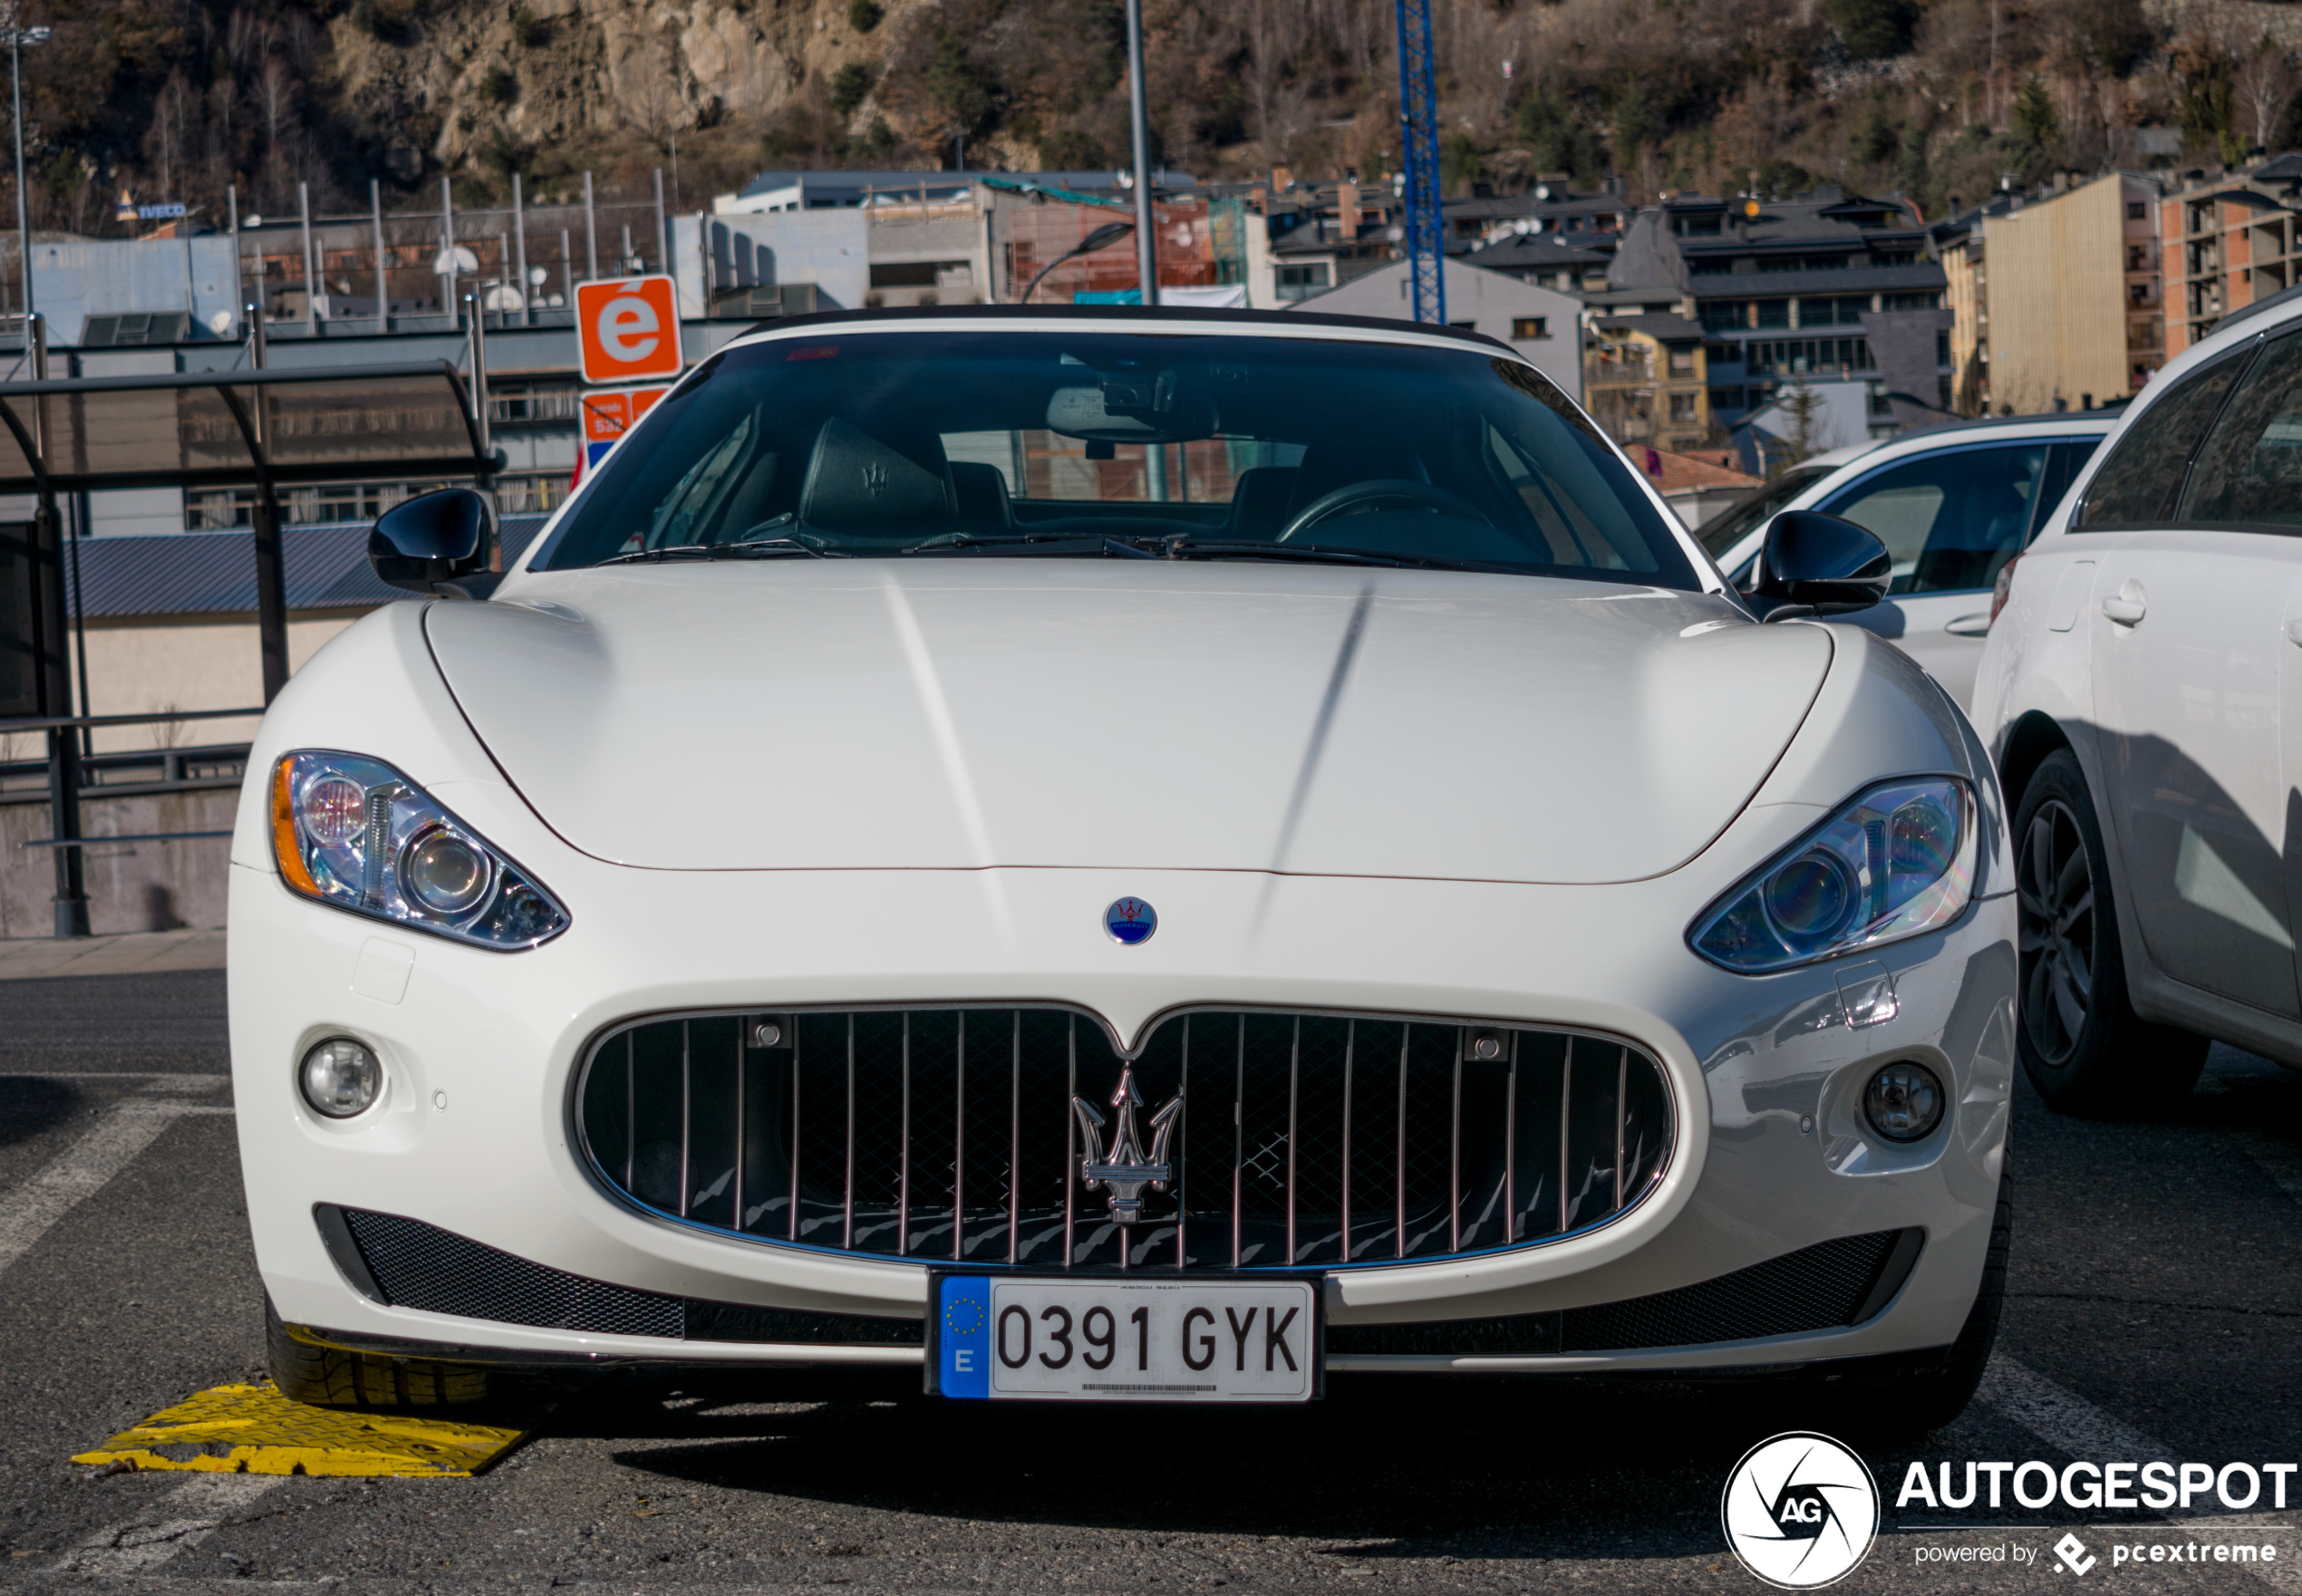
(1953, 505)
(1121, 857)
(2143, 691)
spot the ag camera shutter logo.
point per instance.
(1800, 1511)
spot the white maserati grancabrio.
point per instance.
(1123, 857)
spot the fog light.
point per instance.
(1903, 1102)
(341, 1078)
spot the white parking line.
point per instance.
(83, 1168)
(184, 1517)
(2070, 1423)
(2061, 1419)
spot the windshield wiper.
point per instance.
(1080, 542)
(757, 548)
(1183, 547)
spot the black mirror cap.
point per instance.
(434, 538)
(1818, 565)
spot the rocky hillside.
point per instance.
(175, 98)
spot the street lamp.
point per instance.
(18, 43)
(18, 38)
(1108, 233)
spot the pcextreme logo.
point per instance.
(1800, 1511)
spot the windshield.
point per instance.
(1121, 444)
(1728, 528)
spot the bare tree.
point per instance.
(165, 140)
(1276, 32)
(2263, 88)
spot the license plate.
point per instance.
(994, 1338)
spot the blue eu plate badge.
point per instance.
(1130, 920)
(963, 1336)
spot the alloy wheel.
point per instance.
(2055, 893)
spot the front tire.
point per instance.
(329, 1377)
(2084, 1048)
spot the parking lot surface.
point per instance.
(2155, 1298)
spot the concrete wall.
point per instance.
(829, 248)
(1488, 301)
(72, 282)
(130, 886)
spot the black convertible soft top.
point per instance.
(1150, 315)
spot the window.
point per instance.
(1729, 526)
(1682, 408)
(2137, 484)
(1721, 315)
(1696, 226)
(1302, 281)
(1710, 265)
(1951, 520)
(1726, 398)
(935, 444)
(1943, 346)
(1831, 313)
(2250, 470)
(1796, 356)
(1523, 327)
(1682, 361)
(1771, 313)
(1928, 301)
(1893, 257)
(2136, 210)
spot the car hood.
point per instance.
(960, 713)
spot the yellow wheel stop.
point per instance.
(253, 1429)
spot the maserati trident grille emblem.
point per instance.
(1126, 1170)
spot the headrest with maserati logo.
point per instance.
(855, 483)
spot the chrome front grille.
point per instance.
(1308, 1140)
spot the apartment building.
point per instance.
(1645, 380)
(1827, 284)
(2225, 243)
(2057, 297)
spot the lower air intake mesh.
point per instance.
(1824, 1287)
(421, 1266)
(1815, 1288)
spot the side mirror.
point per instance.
(1818, 564)
(433, 539)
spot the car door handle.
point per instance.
(1975, 625)
(2127, 606)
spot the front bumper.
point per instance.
(482, 1049)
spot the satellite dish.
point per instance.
(1543, 190)
(251, 220)
(502, 296)
(537, 276)
(457, 260)
(220, 323)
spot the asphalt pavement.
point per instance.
(2156, 1294)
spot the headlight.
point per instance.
(1897, 861)
(356, 834)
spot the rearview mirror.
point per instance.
(1817, 565)
(433, 539)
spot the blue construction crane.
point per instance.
(1426, 233)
